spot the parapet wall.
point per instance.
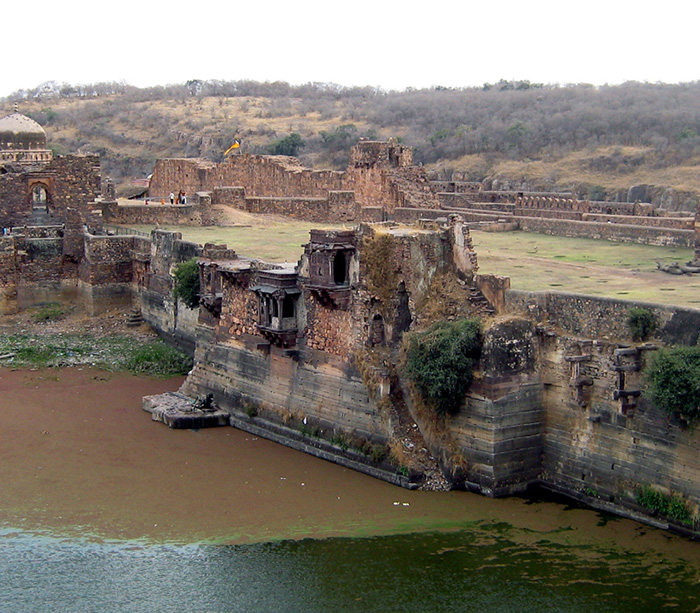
(602, 318)
(648, 235)
(154, 213)
(265, 176)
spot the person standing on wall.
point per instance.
(172, 198)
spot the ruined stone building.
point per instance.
(380, 183)
(310, 356)
(35, 188)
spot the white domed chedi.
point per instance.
(22, 140)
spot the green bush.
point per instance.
(673, 507)
(440, 362)
(289, 145)
(641, 323)
(157, 359)
(673, 378)
(187, 283)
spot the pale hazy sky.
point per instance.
(392, 45)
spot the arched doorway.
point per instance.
(39, 196)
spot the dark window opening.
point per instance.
(288, 307)
(39, 196)
(340, 269)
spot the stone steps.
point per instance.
(134, 318)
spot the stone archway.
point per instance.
(39, 196)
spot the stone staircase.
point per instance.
(134, 318)
(40, 217)
(480, 302)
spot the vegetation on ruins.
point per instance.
(51, 311)
(115, 353)
(593, 139)
(440, 361)
(379, 268)
(187, 283)
(157, 358)
(673, 377)
(641, 322)
(667, 505)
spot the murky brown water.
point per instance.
(78, 455)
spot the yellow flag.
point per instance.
(235, 145)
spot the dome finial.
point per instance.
(16, 107)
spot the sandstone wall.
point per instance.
(609, 231)
(76, 180)
(603, 436)
(153, 213)
(172, 319)
(70, 181)
(602, 318)
(266, 176)
(315, 386)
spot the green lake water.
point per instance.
(489, 566)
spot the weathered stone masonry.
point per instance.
(69, 181)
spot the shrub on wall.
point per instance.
(377, 254)
(641, 323)
(673, 377)
(440, 362)
(667, 505)
(187, 283)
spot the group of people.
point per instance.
(6, 231)
(181, 198)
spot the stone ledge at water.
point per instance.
(178, 411)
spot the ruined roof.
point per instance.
(20, 124)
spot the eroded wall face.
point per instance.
(603, 437)
(244, 373)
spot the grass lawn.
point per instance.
(272, 242)
(602, 268)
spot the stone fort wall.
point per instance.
(560, 399)
(378, 179)
(260, 175)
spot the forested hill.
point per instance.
(596, 140)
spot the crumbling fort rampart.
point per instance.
(310, 354)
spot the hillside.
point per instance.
(595, 141)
